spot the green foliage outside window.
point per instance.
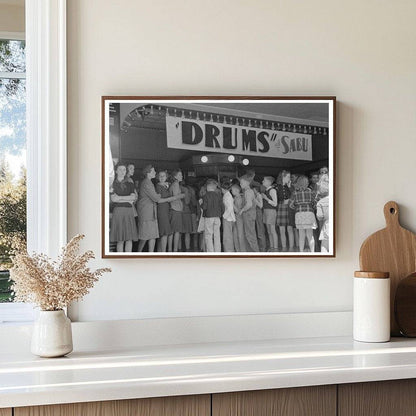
(12, 147)
(12, 223)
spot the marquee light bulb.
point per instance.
(246, 162)
(204, 159)
(231, 158)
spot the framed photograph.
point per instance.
(218, 177)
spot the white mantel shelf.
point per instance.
(151, 371)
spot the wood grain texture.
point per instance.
(5, 412)
(300, 401)
(393, 250)
(381, 398)
(160, 406)
(372, 275)
(405, 306)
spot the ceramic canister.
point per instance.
(371, 313)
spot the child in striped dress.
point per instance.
(322, 212)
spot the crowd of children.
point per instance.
(289, 213)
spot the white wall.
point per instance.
(361, 51)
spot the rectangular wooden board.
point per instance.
(160, 406)
(300, 401)
(381, 398)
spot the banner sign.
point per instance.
(206, 136)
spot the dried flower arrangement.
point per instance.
(53, 285)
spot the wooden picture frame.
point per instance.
(223, 139)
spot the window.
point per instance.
(12, 154)
(45, 89)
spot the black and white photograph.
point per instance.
(220, 176)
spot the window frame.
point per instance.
(12, 35)
(46, 137)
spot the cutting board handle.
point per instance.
(391, 214)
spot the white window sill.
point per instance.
(16, 313)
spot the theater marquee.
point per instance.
(196, 135)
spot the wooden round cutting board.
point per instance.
(393, 250)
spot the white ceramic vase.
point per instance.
(52, 334)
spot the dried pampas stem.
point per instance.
(53, 285)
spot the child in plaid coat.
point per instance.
(303, 201)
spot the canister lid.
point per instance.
(372, 275)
